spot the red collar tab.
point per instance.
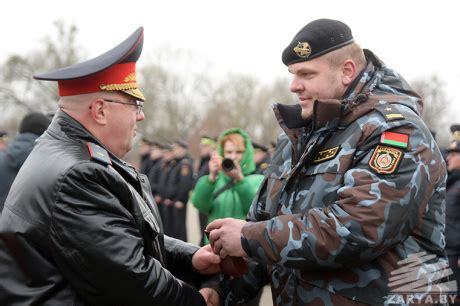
(98, 153)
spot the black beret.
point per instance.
(35, 123)
(317, 38)
(455, 144)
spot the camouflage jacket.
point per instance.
(349, 195)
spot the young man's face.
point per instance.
(315, 79)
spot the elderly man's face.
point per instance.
(315, 79)
(123, 124)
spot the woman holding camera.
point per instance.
(230, 187)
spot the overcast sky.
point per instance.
(416, 38)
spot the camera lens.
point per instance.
(227, 164)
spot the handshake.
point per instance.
(230, 265)
(224, 254)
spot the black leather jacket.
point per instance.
(77, 231)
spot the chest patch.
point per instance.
(385, 159)
(326, 155)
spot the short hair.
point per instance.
(236, 138)
(352, 51)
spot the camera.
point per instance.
(227, 164)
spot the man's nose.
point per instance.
(295, 85)
(140, 116)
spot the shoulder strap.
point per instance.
(98, 153)
(222, 189)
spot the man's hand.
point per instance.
(205, 261)
(211, 296)
(225, 237)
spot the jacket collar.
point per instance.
(66, 128)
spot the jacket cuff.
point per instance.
(253, 231)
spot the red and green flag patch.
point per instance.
(398, 140)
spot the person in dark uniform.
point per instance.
(11, 159)
(80, 226)
(154, 173)
(144, 152)
(207, 146)
(166, 188)
(453, 206)
(261, 157)
(183, 183)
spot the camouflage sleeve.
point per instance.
(374, 211)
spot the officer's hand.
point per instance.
(214, 165)
(205, 261)
(211, 296)
(179, 204)
(225, 237)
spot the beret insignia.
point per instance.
(302, 49)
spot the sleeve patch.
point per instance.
(385, 160)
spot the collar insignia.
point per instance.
(326, 155)
(98, 153)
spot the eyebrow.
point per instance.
(302, 70)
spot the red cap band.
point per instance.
(118, 77)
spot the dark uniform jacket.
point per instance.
(77, 230)
(154, 175)
(453, 214)
(11, 160)
(345, 201)
(183, 177)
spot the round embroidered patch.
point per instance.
(384, 160)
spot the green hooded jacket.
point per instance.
(235, 201)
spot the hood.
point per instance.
(380, 81)
(19, 149)
(247, 163)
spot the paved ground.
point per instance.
(193, 232)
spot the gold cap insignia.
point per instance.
(302, 49)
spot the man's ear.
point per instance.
(99, 111)
(348, 72)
